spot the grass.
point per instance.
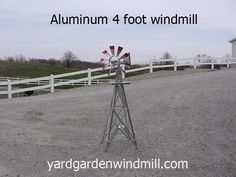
(34, 70)
(30, 70)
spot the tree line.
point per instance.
(68, 60)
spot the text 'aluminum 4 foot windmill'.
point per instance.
(119, 117)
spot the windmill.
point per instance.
(119, 119)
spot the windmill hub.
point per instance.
(113, 59)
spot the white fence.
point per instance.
(44, 82)
(52, 81)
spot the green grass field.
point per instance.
(30, 70)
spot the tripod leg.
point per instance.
(130, 121)
(105, 129)
(111, 118)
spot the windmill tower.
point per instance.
(119, 119)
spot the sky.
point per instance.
(25, 28)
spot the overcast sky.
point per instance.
(25, 28)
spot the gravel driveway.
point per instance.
(188, 117)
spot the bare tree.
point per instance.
(20, 57)
(68, 58)
(198, 55)
(9, 59)
(167, 56)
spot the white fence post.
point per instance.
(9, 89)
(151, 66)
(89, 77)
(228, 63)
(52, 83)
(123, 73)
(175, 65)
(194, 63)
(212, 63)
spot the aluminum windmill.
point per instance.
(119, 116)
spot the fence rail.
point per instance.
(52, 81)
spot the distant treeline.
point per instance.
(82, 65)
(69, 60)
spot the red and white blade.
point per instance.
(119, 51)
(124, 56)
(128, 59)
(106, 53)
(102, 60)
(112, 48)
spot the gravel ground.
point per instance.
(185, 117)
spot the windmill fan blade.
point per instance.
(102, 60)
(124, 56)
(128, 60)
(112, 48)
(106, 52)
(119, 51)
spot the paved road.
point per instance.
(187, 117)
